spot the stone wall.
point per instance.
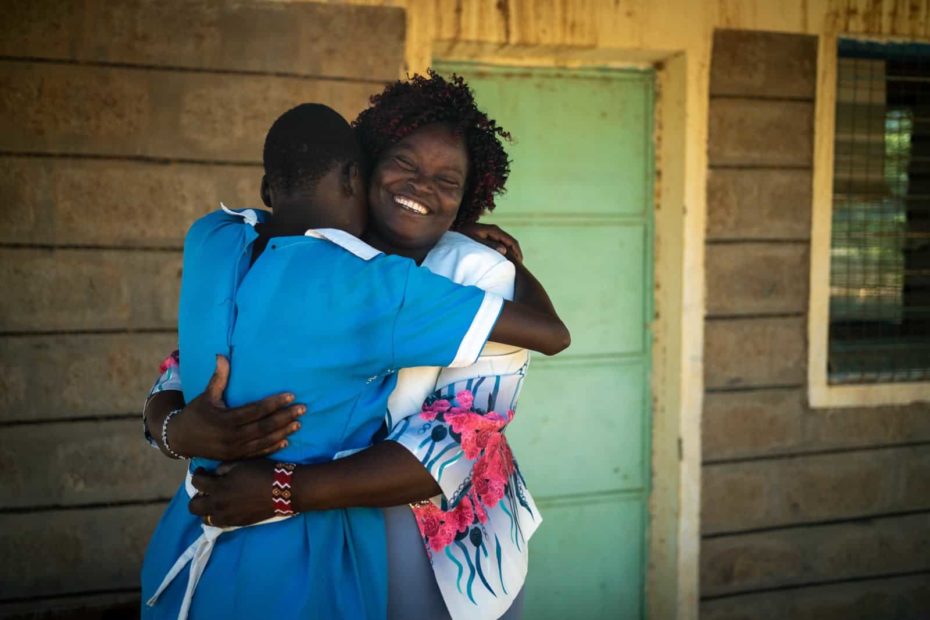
(119, 124)
(807, 514)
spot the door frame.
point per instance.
(673, 531)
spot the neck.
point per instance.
(288, 221)
(276, 227)
(372, 238)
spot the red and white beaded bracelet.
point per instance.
(281, 489)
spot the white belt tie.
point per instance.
(198, 554)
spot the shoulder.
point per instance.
(454, 243)
(464, 260)
(223, 220)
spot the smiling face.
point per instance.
(416, 189)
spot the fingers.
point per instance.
(507, 240)
(512, 252)
(265, 435)
(204, 481)
(225, 467)
(200, 505)
(268, 434)
(266, 445)
(253, 412)
(217, 384)
(205, 502)
(503, 241)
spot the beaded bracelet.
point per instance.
(164, 433)
(281, 489)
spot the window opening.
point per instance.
(880, 243)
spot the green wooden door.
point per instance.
(580, 201)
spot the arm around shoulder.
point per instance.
(530, 321)
(524, 326)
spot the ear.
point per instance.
(266, 192)
(351, 178)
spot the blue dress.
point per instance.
(329, 319)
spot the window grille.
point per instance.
(880, 243)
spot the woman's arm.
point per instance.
(403, 469)
(525, 326)
(206, 428)
(385, 474)
(530, 321)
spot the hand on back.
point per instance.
(208, 429)
(494, 237)
(235, 494)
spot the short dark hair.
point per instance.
(304, 144)
(407, 105)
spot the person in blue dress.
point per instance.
(329, 319)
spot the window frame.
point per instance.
(820, 393)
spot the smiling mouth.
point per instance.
(409, 204)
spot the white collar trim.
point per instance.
(344, 240)
(341, 238)
(249, 215)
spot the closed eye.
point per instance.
(448, 183)
(405, 163)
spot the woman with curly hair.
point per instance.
(439, 163)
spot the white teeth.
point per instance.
(411, 205)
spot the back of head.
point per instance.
(304, 144)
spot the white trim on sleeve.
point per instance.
(480, 330)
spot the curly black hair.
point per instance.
(407, 105)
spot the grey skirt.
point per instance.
(412, 590)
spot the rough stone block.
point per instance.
(42, 28)
(55, 377)
(754, 352)
(796, 556)
(739, 424)
(804, 489)
(363, 42)
(916, 476)
(756, 132)
(763, 64)
(770, 422)
(757, 278)
(164, 114)
(733, 497)
(59, 290)
(59, 201)
(57, 552)
(863, 426)
(75, 463)
(888, 597)
(758, 204)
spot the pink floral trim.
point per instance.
(172, 361)
(483, 441)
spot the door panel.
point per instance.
(585, 173)
(580, 201)
(585, 566)
(572, 257)
(604, 452)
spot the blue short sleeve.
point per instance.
(441, 323)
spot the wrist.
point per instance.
(282, 489)
(167, 447)
(309, 489)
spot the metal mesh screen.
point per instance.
(880, 246)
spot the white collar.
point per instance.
(341, 238)
(344, 240)
(249, 215)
